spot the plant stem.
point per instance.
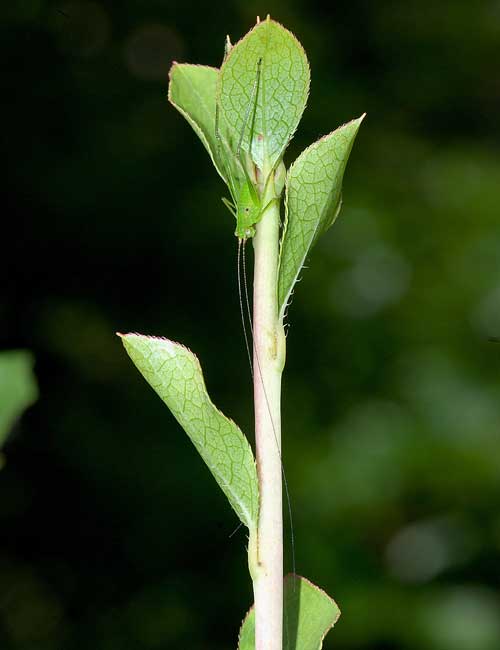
(269, 357)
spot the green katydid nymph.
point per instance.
(246, 209)
(240, 172)
(241, 176)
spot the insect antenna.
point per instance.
(245, 284)
(241, 244)
(256, 356)
(236, 529)
(285, 482)
(251, 104)
(242, 265)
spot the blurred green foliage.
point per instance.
(18, 389)
(391, 395)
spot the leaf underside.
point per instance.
(191, 91)
(281, 94)
(18, 388)
(175, 374)
(309, 613)
(312, 202)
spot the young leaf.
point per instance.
(175, 374)
(278, 87)
(308, 615)
(312, 202)
(191, 91)
(18, 388)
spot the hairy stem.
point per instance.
(269, 356)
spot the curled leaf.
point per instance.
(191, 91)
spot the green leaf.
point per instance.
(312, 202)
(309, 613)
(175, 374)
(191, 90)
(18, 388)
(279, 97)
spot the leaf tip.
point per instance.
(171, 69)
(170, 75)
(127, 335)
(125, 338)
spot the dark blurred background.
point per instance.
(114, 535)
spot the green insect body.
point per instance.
(248, 212)
(238, 172)
(245, 205)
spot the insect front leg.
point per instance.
(230, 206)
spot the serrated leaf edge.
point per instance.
(249, 523)
(258, 24)
(295, 576)
(286, 300)
(194, 125)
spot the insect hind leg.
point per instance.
(250, 114)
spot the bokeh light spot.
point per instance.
(463, 618)
(379, 277)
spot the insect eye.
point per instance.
(247, 209)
